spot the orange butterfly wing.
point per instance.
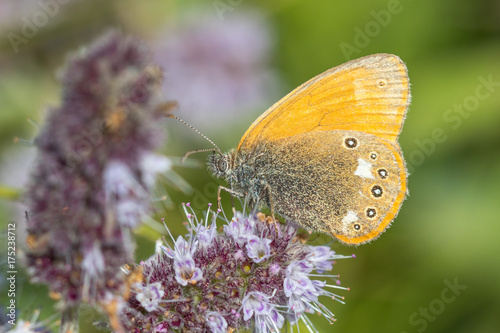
(370, 94)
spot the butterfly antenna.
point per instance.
(183, 158)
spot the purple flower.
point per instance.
(92, 179)
(274, 269)
(270, 322)
(253, 279)
(185, 268)
(257, 304)
(182, 249)
(303, 292)
(258, 249)
(296, 280)
(149, 295)
(216, 322)
(321, 257)
(240, 228)
(206, 235)
(186, 271)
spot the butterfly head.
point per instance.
(221, 164)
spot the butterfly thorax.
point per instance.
(239, 170)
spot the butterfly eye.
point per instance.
(222, 164)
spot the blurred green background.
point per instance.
(447, 230)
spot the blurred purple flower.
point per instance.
(217, 69)
(93, 173)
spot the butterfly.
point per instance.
(326, 156)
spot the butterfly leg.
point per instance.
(228, 190)
(269, 200)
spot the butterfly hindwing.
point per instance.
(345, 183)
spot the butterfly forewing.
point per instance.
(326, 155)
(369, 94)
